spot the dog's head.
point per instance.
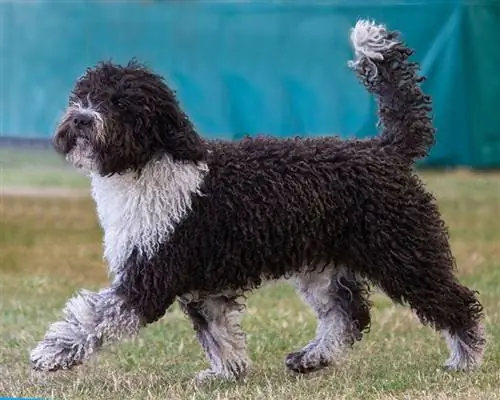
(121, 117)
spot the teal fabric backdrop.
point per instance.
(259, 67)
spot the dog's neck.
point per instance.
(140, 211)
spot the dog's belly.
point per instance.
(246, 288)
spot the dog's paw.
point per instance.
(63, 347)
(305, 361)
(207, 376)
(50, 355)
(454, 364)
(233, 371)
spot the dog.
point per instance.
(205, 222)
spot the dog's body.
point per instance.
(206, 222)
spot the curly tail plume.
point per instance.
(382, 65)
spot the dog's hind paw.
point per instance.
(305, 361)
(466, 349)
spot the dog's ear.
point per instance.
(172, 128)
(183, 143)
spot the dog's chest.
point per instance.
(139, 213)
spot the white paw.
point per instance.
(456, 364)
(62, 348)
(207, 376)
(233, 371)
(52, 356)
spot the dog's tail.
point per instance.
(404, 110)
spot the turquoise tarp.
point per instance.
(259, 67)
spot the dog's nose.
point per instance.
(81, 120)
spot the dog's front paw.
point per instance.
(233, 371)
(306, 360)
(207, 376)
(62, 348)
(49, 355)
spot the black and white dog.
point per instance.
(204, 222)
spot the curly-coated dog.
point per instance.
(204, 222)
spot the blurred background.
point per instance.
(250, 67)
(242, 67)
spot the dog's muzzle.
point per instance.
(81, 121)
(75, 125)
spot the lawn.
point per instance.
(50, 247)
(41, 168)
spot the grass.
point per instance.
(50, 247)
(37, 168)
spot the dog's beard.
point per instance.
(82, 157)
(77, 144)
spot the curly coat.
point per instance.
(206, 221)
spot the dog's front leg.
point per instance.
(216, 320)
(140, 294)
(90, 319)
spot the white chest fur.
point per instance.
(140, 212)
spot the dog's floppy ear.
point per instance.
(182, 142)
(172, 127)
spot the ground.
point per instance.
(50, 246)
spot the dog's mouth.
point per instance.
(75, 145)
(64, 140)
(81, 155)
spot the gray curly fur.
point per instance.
(205, 222)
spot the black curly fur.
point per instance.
(273, 206)
(270, 207)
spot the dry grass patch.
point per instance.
(51, 247)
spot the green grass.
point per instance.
(37, 168)
(51, 247)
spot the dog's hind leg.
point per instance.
(341, 304)
(216, 321)
(441, 301)
(414, 265)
